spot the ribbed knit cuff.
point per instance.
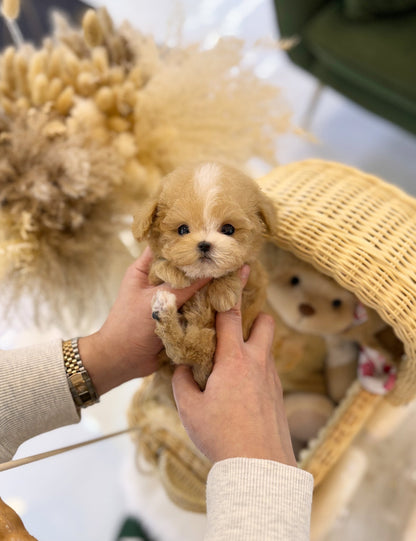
(251, 499)
(34, 395)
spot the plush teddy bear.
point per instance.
(322, 331)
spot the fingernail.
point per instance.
(245, 272)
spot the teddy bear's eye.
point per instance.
(294, 281)
(227, 229)
(336, 303)
(183, 229)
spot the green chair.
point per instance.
(132, 530)
(364, 49)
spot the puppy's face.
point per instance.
(209, 220)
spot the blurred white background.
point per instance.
(85, 494)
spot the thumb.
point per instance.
(229, 324)
(141, 267)
(184, 386)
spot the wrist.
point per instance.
(265, 445)
(257, 453)
(101, 364)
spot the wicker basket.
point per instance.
(357, 229)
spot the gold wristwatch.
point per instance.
(80, 384)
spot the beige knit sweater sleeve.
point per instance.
(247, 499)
(258, 500)
(34, 395)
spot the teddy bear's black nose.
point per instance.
(306, 309)
(204, 246)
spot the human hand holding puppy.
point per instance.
(240, 413)
(126, 346)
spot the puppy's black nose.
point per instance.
(204, 247)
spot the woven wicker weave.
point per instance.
(359, 230)
(347, 421)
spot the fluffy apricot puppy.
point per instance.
(207, 220)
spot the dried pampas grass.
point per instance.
(60, 214)
(92, 121)
(216, 108)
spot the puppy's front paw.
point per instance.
(223, 294)
(163, 303)
(163, 271)
(154, 279)
(225, 302)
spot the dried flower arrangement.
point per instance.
(90, 123)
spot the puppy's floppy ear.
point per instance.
(144, 218)
(268, 214)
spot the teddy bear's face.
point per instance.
(307, 300)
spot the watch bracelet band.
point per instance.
(79, 381)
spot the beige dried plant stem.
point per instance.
(34, 458)
(10, 10)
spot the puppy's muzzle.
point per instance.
(204, 247)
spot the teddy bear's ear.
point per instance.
(268, 214)
(144, 218)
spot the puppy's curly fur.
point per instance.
(207, 220)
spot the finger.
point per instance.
(229, 324)
(244, 274)
(145, 260)
(229, 329)
(184, 386)
(262, 331)
(143, 263)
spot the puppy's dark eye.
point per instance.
(337, 303)
(294, 281)
(227, 229)
(183, 229)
